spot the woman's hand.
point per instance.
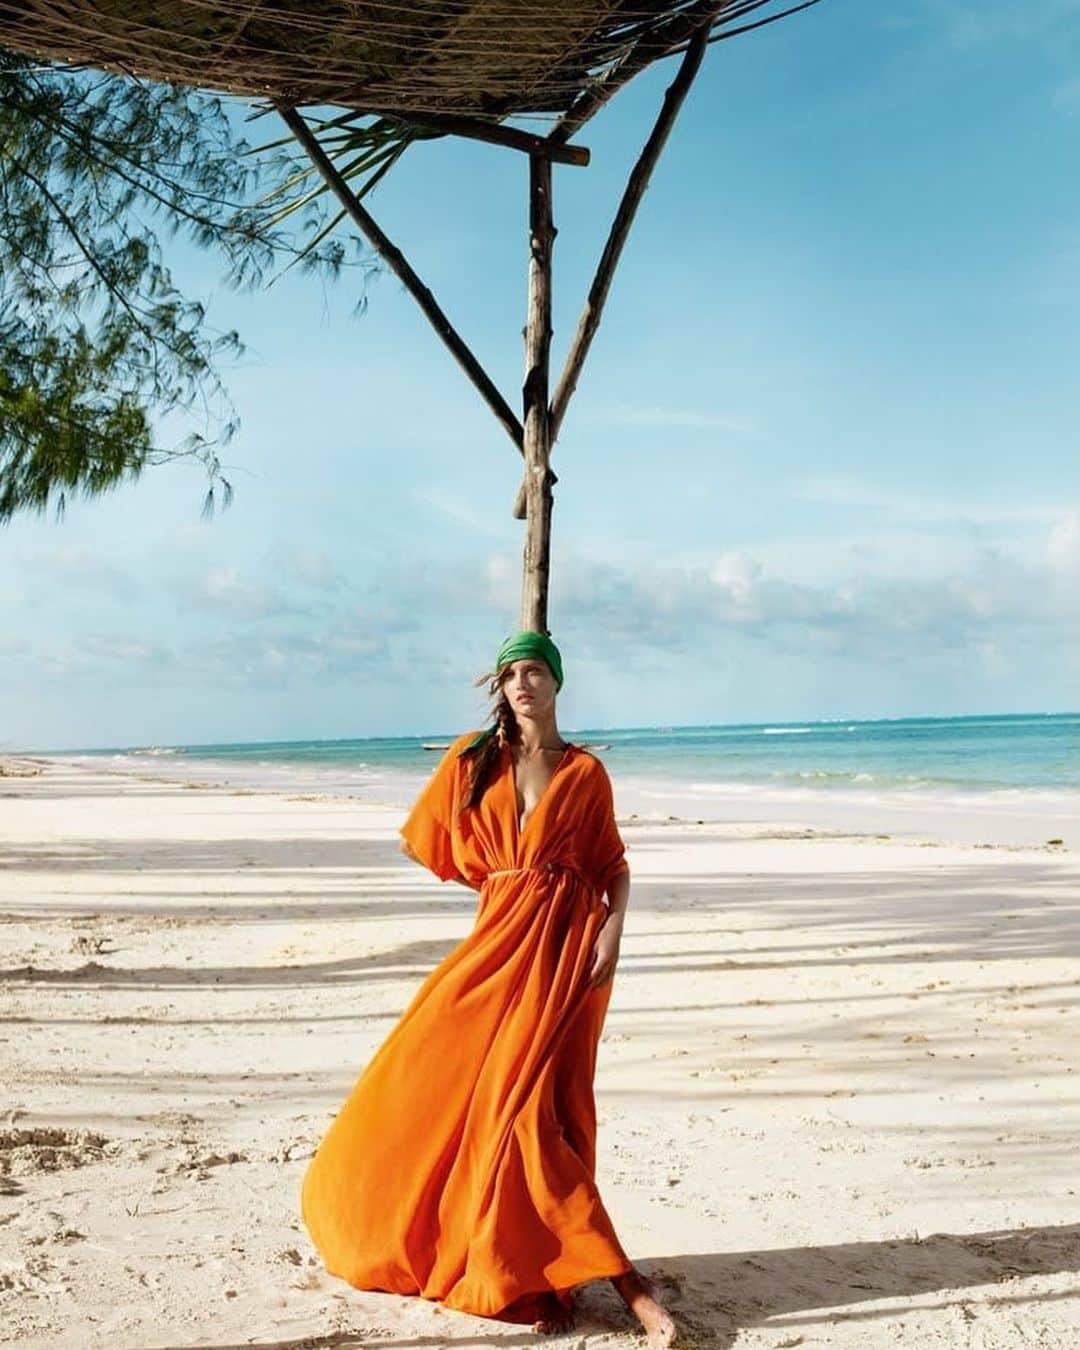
(605, 951)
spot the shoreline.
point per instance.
(1032, 818)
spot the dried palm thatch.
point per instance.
(480, 58)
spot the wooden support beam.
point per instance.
(593, 309)
(538, 497)
(638, 181)
(494, 133)
(397, 262)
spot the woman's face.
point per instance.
(529, 687)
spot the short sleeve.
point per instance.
(608, 848)
(429, 825)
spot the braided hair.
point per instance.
(504, 731)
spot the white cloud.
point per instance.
(1063, 546)
(311, 568)
(82, 569)
(224, 591)
(121, 650)
(997, 598)
(351, 647)
(114, 657)
(649, 609)
(736, 573)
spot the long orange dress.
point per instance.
(462, 1165)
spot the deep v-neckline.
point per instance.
(519, 828)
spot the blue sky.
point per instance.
(822, 463)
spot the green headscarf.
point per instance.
(531, 644)
(517, 646)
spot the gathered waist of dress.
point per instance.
(543, 867)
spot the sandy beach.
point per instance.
(838, 1089)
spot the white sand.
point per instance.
(839, 1087)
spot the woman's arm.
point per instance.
(606, 946)
(619, 894)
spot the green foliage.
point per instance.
(362, 149)
(97, 343)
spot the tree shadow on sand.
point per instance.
(409, 960)
(718, 1295)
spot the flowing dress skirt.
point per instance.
(461, 1166)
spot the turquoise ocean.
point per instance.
(813, 771)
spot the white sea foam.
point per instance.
(1013, 816)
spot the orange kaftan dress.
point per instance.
(461, 1166)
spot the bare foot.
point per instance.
(555, 1317)
(642, 1296)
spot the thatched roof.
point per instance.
(486, 58)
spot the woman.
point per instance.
(461, 1167)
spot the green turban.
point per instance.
(517, 646)
(531, 644)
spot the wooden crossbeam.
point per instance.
(494, 133)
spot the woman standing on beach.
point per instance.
(462, 1165)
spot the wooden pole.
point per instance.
(536, 446)
(399, 264)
